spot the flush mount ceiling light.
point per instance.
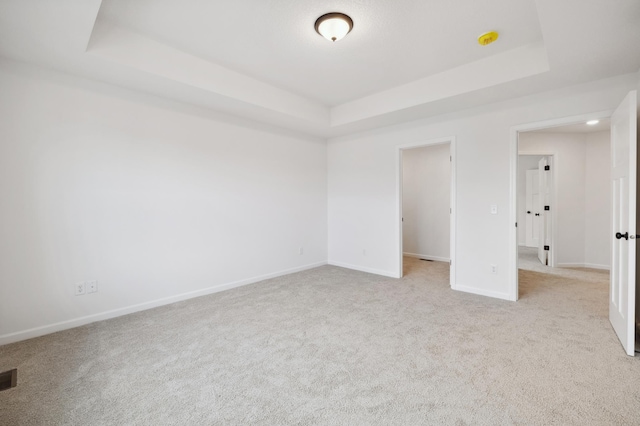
(334, 26)
(592, 122)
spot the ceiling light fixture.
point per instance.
(592, 122)
(334, 26)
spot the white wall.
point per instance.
(426, 181)
(155, 204)
(598, 200)
(363, 183)
(525, 162)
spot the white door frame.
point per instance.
(451, 140)
(513, 188)
(554, 200)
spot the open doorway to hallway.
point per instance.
(563, 202)
(623, 208)
(426, 206)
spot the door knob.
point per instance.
(625, 235)
(528, 211)
(537, 214)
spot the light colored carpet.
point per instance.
(340, 347)
(528, 260)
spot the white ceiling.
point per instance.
(604, 124)
(262, 60)
(392, 43)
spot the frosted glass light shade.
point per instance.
(334, 26)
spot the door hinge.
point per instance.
(516, 224)
(546, 248)
(450, 262)
(546, 207)
(450, 158)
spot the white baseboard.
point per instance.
(364, 269)
(426, 256)
(481, 292)
(596, 266)
(583, 265)
(76, 322)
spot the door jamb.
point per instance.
(451, 140)
(513, 189)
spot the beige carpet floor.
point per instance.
(528, 260)
(338, 347)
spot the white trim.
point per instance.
(584, 265)
(426, 256)
(513, 176)
(77, 322)
(482, 292)
(451, 140)
(364, 269)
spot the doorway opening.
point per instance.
(621, 208)
(529, 140)
(426, 205)
(563, 197)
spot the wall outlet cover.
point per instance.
(80, 289)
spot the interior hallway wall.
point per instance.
(156, 204)
(598, 200)
(426, 181)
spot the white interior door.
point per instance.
(532, 203)
(623, 253)
(544, 199)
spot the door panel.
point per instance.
(532, 202)
(623, 253)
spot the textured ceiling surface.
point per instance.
(392, 43)
(261, 60)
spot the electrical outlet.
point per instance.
(493, 269)
(301, 251)
(80, 289)
(91, 286)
